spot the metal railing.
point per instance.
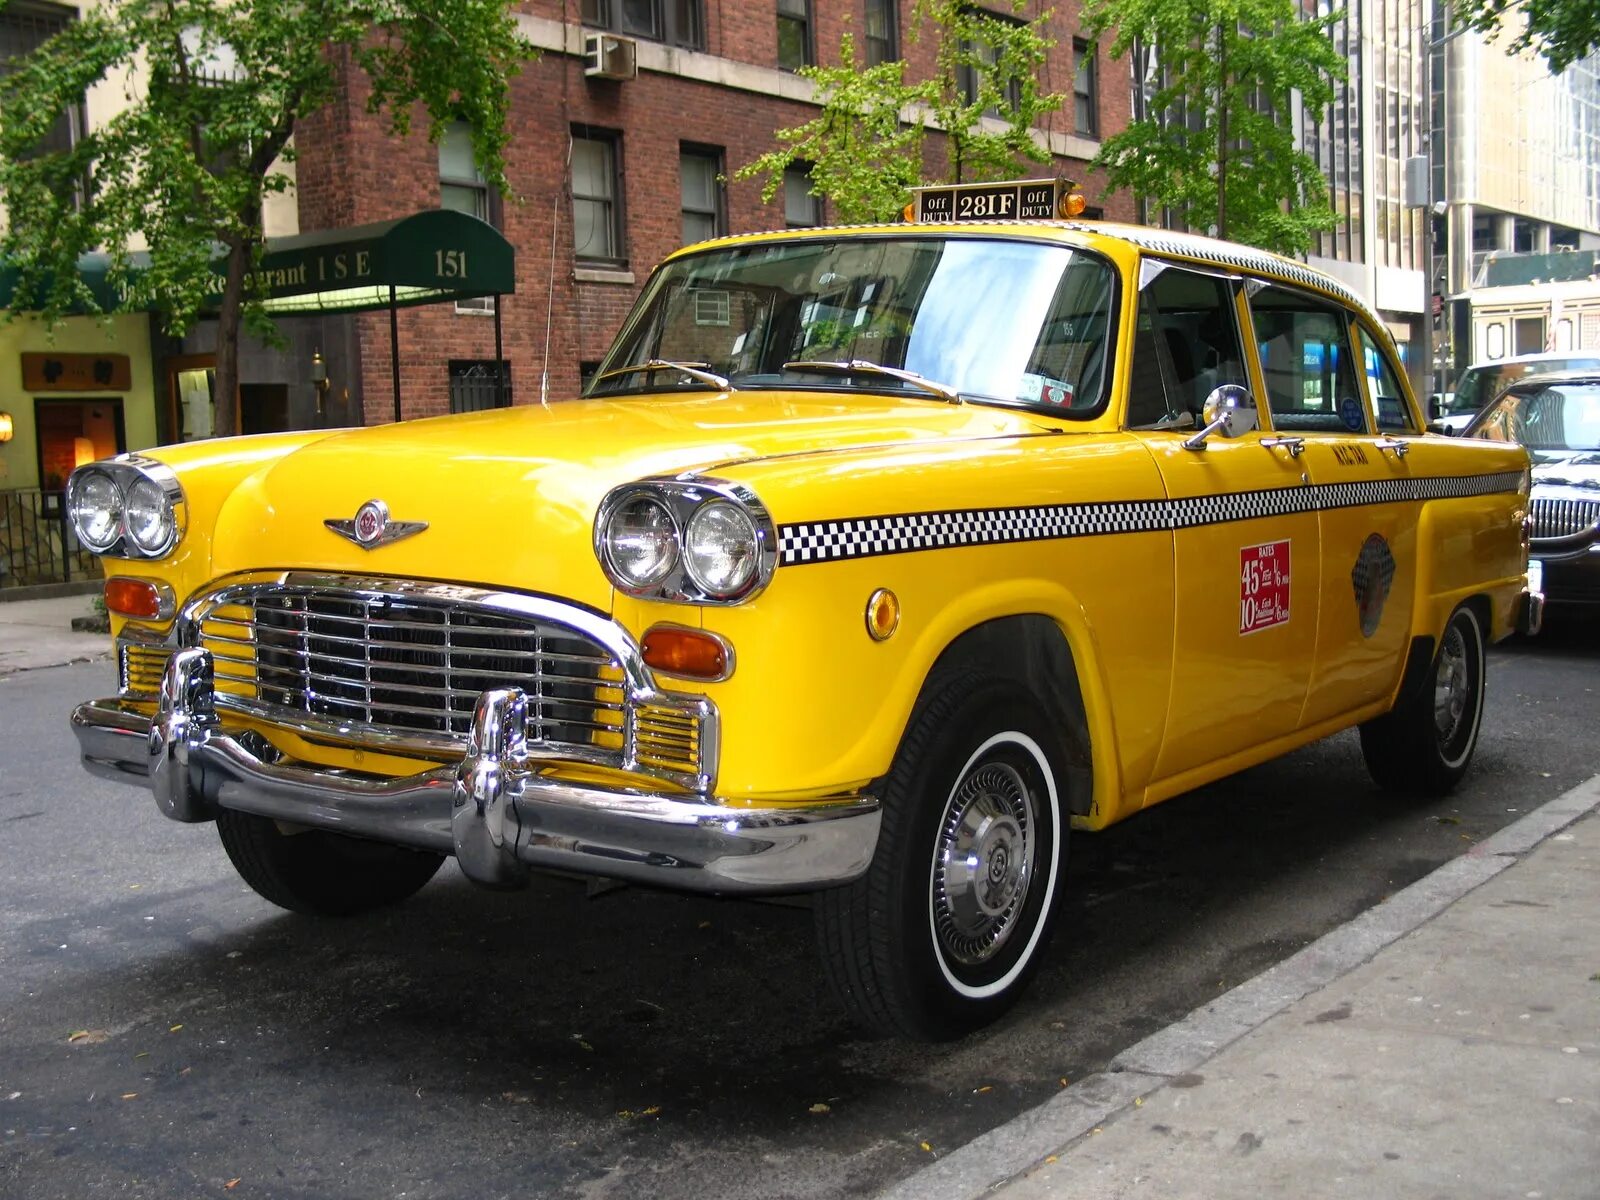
(37, 544)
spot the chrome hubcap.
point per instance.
(983, 862)
(1451, 686)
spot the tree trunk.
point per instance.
(1222, 130)
(228, 321)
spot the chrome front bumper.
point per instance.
(494, 810)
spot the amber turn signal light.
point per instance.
(1073, 204)
(691, 653)
(134, 598)
(883, 614)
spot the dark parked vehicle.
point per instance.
(1482, 382)
(1557, 417)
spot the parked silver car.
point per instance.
(1482, 382)
(1557, 417)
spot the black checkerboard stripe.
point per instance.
(869, 537)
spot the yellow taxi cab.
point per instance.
(873, 562)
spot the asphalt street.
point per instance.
(163, 1032)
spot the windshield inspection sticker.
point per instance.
(1263, 586)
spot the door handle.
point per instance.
(1400, 446)
(1296, 446)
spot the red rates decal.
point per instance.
(1263, 586)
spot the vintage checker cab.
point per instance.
(873, 562)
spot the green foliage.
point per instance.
(1218, 148)
(863, 157)
(1562, 31)
(865, 146)
(214, 95)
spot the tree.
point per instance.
(865, 147)
(1216, 147)
(1563, 31)
(215, 93)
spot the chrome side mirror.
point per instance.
(1229, 410)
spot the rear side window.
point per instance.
(1307, 363)
(1383, 383)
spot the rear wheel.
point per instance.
(949, 923)
(324, 874)
(1425, 745)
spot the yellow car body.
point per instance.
(1188, 603)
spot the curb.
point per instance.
(52, 591)
(1011, 1149)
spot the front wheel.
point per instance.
(324, 874)
(949, 923)
(1425, 745)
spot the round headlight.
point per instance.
(96, 505)
(642, 542)
(149, 516)
(721, 548)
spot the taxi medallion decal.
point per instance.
(372, 526)
(1371, 578)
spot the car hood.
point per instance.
(509, 496)
(1575, 471)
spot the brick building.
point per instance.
(609, 175)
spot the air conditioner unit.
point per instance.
(607, 56)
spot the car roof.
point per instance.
(1554, 379)
(1541, 356)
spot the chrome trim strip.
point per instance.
(494, 809)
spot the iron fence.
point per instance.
(37, 544)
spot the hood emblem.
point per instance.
(371, 526)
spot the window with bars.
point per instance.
(1085, 91)
(882, 32)
(676, 22)
(794, 34)
(699, 171)
(479, 383)
(24, 27)
(596, 195)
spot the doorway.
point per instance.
(72, 432)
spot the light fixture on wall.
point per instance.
(82, 451)
(7, 427)
(319, 377)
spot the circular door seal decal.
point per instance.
(1371, 577)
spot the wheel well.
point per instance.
(1031, 650)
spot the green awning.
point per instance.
(428, 257)
(1560, 266)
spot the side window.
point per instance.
(1186, 343)
(1383, 381)
(1307, 363)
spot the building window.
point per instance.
(967, 77)
(677, 22)
(801, 209)
(596, 209)
(24, 28)
(462, 186)
(794, 34)
(479, 383)
(882, 32)
(699, 168)
(1086, 103)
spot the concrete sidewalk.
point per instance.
(1445, 1044)
(38, 633)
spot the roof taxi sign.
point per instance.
(1013, 200)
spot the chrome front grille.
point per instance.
(408, 666)
(1559, 517)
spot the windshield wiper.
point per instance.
(692, 370)
(861, 366)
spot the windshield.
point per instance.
(1479, 385)
(1008, 322)
(1563, 417)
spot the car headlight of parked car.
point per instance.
(699, 542)
(127, 507)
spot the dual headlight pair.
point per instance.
(129, 507)
(703, 542)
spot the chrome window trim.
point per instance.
(638, 683)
